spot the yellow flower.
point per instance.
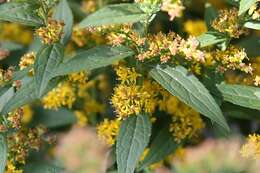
(10, 168)
(252, 147)
(229, 22)
(51, 33)
(15, 32)
(82, 119)
(257, 80)
(80, 77)
(27, 60)
(27, 114)
(62, 95)
(126, 75)
(92, 106)
(186, 123)
(132, 100)
(108, 131)
(195, 27)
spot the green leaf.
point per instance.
(252, 25)
(211, 38)
(92, 59)
(251, 45)
(47, 60)
(6, 97)
(180, 83)
(20, 12)
(210, 15)
(240, 112)
(42, 167)
(161, 147)
(63, 13)
(114, 14)
(3, 153)
(26, 94)
(53, 119)
(246, 96)
(134, 135)
(244, 5)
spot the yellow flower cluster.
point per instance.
(62, 95)
(82, 119)
(195, 27)
(254, 11)
(245, 79)
(27, 60)
(186, 122)
(83, 37)
(51, 33)
(229, 22)
(27, 114)
(11, 168)
(15, 32)
(14, 118)
(232, 58)
(108, 130)
(130, 98)
(22, 141)
(80, 78)
(252, 147)
(6, 75)
(127, 75)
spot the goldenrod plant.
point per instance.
(110, 86)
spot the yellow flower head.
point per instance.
(108, 131)
(233, 58)
(27, 114)
(27, 60)
(195, 27)
(82, 118)
(80, 77)
(62, 95)
(186, 123)
(127, 75)
(10, 168)
(229, 22)
(16, 32)
(252, 147)
(51, 33)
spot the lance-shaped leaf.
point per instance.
(244, 5)
(211, 38)
(91, 59)
(63, 13)
(26, 94)
(180, 83)
(6, 96)
(210, 15)
(246, 96)
(53, 118)
(47, 60)
(133, 137)
(252, 25)
(114, 14)
(20, 12)
(161, 147)
(3, 153)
